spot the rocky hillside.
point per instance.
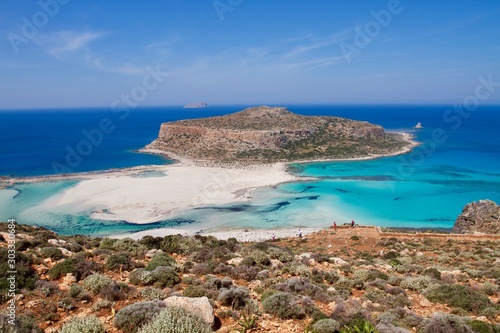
(271, 134)
(345, 280)
(480, 216)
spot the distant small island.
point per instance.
(274, 134)
(196, 105)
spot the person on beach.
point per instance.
(334, 225)
(299, 233)
(274, 237)
(352, 223)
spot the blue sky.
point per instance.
(75, 53)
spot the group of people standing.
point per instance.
(334, 225)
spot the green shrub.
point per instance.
(304, 287)
(165, 277)
(359, 326)
(458, 296)
(114, 291)
(161, 277)
(78, 266)
(119, 261)
(89, 324)
(22, 324)
(325, 326)
(176, 320)
(446, 323)
(481, 327)
(131, 318)
(51, 252)
(107, 243)
(26, 277)
(160, 259)
(433, 273)
(95, 282)
(151, 294)
(236, 297)
(131, 247)
(417, 283)
(195, 291)
(78, 292)
(287, 306)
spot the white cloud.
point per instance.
(63, 42)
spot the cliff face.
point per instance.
(267, 134)
(480, 216)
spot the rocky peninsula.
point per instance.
(482, 216)
(274, 134)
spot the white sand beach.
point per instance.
(141, 199)
(242, 235)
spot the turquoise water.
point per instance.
(425, 188)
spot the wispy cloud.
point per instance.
(64, 42)
(314, 43)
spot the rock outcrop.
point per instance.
(197, 305)
(273, 134)
(481, 216)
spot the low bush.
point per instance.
(132, 317)
(78, 266)
(176, 320)
(78, 292)
(417, 283)
(326, 325)
(287, 306)
(161, 277)
(236, 297)
(304, 287)
(114, 291)
(459, 296)
(446, 323)
(120, 261)
(90, 324)
(26, 277)
(160, 259)
(22, 324)
(51, 252)
(46, 288)
(151, 294)
(95, 282)
(130, 247)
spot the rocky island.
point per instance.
(274, 134)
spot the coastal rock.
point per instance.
(198, 305)
(273, 134)
(482, 216)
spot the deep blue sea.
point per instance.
(458, 162)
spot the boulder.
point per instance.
(151, 253)
(197, 305)
(482, 216)
(338, 261)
